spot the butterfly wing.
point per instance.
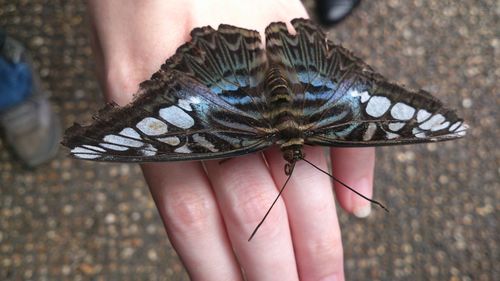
(204, 103)
(230, 61)
(343, 102)
(381, 113)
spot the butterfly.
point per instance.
(224, 94)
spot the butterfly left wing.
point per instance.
(204, 103)
(343, 102)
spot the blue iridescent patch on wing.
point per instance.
(315, 79)
(230, 83)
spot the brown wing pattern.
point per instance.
(341, 101)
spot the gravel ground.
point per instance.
(76, 220)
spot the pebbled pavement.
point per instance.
(76, 220)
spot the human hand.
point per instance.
(210, 211)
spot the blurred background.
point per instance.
(77, 220)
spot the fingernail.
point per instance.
(362, 211)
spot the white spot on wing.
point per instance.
(131, 133)
(79, 149)
(114, 139)
(149, 150)
(391, 136)
(183, 149)
(204, 142)
(370, 131)
(440, 127)
(186, 104)
(433, 121)
(170, 140)
(364, 95)
(454, 126)
(87, 156)
(114, 147)
(396, 126)
(152, 126)
(94, 148)
(195, 100)
(418, 133)
(402, 111)
(461, 131)
(177, 117)
(422, 115)
(377, 106)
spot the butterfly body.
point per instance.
(224, 94)
(284, 118)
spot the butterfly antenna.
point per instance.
(289, 173)
(342, 183)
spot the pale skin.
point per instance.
(209, 213)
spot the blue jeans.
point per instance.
(15, 83)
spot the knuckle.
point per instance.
(326, 248)
(248, 209)
(188, 212)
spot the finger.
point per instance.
(354, 166)
(245, 189)
(311, 212)
(190, 214)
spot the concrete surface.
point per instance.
(76, 220)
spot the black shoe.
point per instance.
(331, 12)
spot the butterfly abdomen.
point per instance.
(283, 115)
